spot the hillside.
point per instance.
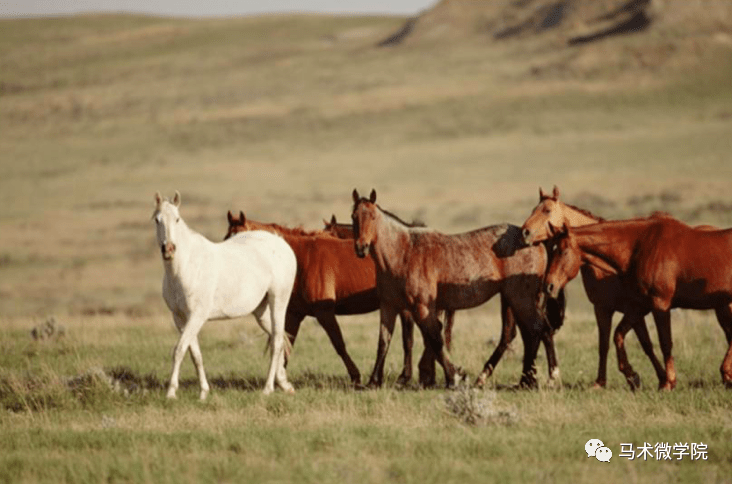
(673, 32)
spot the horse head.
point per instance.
(565, 261)
(167, 224)
(545, 220)
(364, 226)
(341, 231)
(236, 225)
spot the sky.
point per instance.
(205, 8)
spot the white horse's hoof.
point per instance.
(171, 393)
(267, 391)
(204, 394)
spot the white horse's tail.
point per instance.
(268, 346)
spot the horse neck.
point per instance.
(392, 241)
(188, 243)
(575, 217)
(609, 246)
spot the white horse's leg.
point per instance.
(195, 352)
(263, 317)
(279, 314)
(190, 332)
(275, 313)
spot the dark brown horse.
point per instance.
(330, 280)
(424, 271)
(667, 264)
(606, 291)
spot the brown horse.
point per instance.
(426, 364)
(606, 291)
(330, 280)
(424, 271)
(666, 262)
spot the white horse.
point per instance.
(252, 273)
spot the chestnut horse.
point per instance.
(330, 280)
(606, 291)
(669, 265)
(424, 271)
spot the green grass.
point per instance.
(327, 432)
(282, 117)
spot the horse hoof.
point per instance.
(634, 381)
(171, 395)
(203, 395)
(481, 380)
(598, 385)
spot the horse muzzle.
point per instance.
(362, 250)
(552, 290)
(167, 250)
(526, 233)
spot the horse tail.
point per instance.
(268, 346)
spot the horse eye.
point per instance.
(177, 220)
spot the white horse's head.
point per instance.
(168, 224)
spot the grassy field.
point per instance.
(282, 117)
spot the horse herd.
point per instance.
(281, 275)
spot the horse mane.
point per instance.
(585, 212)
(413, 224)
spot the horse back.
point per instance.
(330, 271)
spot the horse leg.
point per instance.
(407, 342)
(663, 326)
(724, 316)
(278, 310)
(551, 357)
(293, 320)
(189, 333)
(326, 318)
(387, 316)
(427, 377)
(508, 333)
(624, 365)
(641, 331)
(531, 339)
(432, 333)
(449, 323)
(195, 352)
(603, 317)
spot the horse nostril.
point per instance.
(550, 288)
(526, 233)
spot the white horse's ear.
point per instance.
(158, 198)
(356, 198)
(372, 197)
(176, 199)
(555, 193)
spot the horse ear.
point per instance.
(555, 193)
(356, 198)
(229, 217)
(542, 196)
(176, 199)
(333, 220)
(242, 217)
(372, 197)
(158, 198)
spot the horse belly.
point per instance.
(463, 296)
